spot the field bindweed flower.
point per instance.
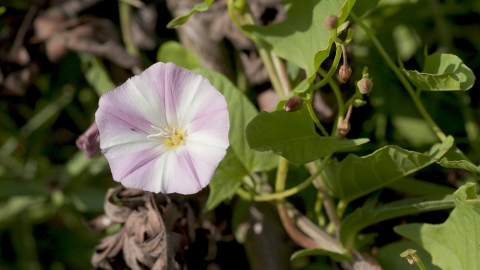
(164, 130)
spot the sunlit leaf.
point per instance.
(302, 36)
(442, 72)
(292, 135)
(455, 243)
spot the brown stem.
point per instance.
(344, 52)
(349, 112)
(296, 235)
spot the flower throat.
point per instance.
(171, 138)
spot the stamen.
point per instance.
(169, 138)
(164, 132)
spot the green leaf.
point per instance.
(454, 158)
(423, 134)
(304, 23)
(356, 176)
(319, 252)
(184, 18)
(442, 72)
(455, 243)
(388, 256)
(240, 161)
(96, 74)
(225, 181)
(292, 135)
(363, 217)
(172, 51)
(420, 188)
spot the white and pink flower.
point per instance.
(164, 130)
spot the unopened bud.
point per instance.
(294, 103)
(359, 102)
(330, 22)
(365, 85)
(343, 128)
(345, 72)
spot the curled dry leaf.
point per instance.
(120, 212)
(146, 238)
(107, 250)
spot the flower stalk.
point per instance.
(284, 193)
(416, 100)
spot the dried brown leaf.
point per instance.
(117, 213)
(108, 248)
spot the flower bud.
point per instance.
(330, 22)
(345, 72)
(365, 85)
(343, 128)
(359, 102)
(294, 103)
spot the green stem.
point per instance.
(340, 101)
(318, 210)
(314, 117)
(441, 136)
(285, 193)
(341, 206)
(125, 14)
(333, 68)
(420, 263)
(328, 202)
(281, 178)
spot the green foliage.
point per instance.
(319, 252)
(454, 158)
(363, 217)
(48, 187)
(302, 36)
(293, 136)
(356, 176)
(178, 21)
(453, 244)
(388, 256)
(442, 72)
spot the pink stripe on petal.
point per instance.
(198, 162)
(125, 160)
(210, 129)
